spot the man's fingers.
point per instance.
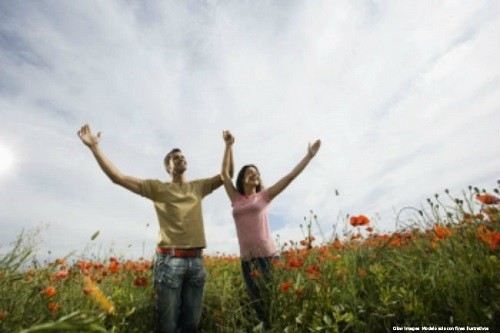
(85, 130)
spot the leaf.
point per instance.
(94, 236)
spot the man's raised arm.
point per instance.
(92, 142)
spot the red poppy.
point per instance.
(285, 286)
(84, 264)
(337, 244)
(278, 263)
(50, 291)
(141, 281)
(254, 273)
(294, 263)
(489, 237)
(53, 307)
(114, 267)
(62, 274)
(129, 266)
(313, 271)
(488, 199)
(357, 221)
(442, 232)
(98, 265)
(396, 242)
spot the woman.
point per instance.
(250, 202)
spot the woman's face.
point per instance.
(251, 177)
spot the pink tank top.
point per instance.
(251, 218)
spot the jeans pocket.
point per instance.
(166, 274)
(172, 278)
(199, 276)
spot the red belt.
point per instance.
(180, 252)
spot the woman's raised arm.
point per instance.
(285, 181)
(228, 165)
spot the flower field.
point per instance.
(440, 268)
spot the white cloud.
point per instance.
(404, 97)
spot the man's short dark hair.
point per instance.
(167, 158)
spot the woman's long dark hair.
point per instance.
(239, 180)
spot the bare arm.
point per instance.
(285, 181)
(228, 165)
(92, 142)
(219, 179)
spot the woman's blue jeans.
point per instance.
(179, 284)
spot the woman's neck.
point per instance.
(250, 190)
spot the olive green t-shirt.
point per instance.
(179, 211)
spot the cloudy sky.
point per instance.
(403, 94)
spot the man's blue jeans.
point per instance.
(179, 284)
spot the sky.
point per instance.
(404, 95)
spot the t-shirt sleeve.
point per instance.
(149, 188)
(204, 186)
(236, 198)
(265, 195)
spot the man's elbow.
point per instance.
(117, 179)
(217, 182)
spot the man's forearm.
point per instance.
(106, 165)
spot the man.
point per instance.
(179, 274)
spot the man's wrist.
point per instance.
(93, 147)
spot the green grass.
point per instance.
(440, 269)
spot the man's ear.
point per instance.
(167, 169)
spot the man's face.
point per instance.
(177, 163)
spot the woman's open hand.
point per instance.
(313, 149)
